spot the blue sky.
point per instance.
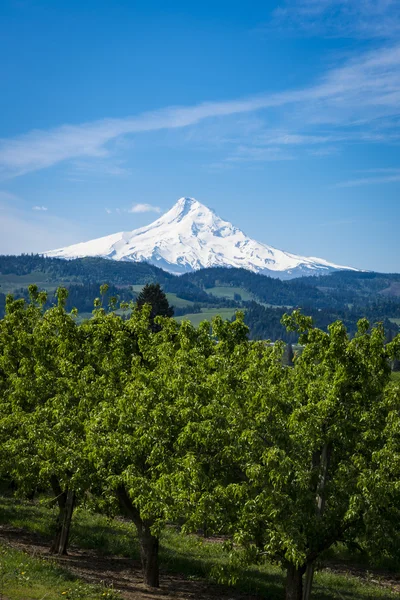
(283, 116)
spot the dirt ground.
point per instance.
(124, 574)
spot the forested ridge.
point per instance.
(345, 295)
(166, 423)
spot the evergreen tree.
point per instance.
(153, 294)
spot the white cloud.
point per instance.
(258, 154)
(339, 18)
(143, 208)
(108, 211)
(350, 100)
(392, 176)
(43, 208)
(99, 167)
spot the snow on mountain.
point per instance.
(190, 236)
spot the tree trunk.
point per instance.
(294, 583)
(308, 581)
(149, 556)
(66, 503)
(149, 544)
(322, 462)
(66, 526)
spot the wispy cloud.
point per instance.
(338, 18)
(337, 223)
(349, 100)
(43, 208)
(388, 176)
(324, 151)
(135, 208)
(8, 196)
(101, 167)
(143, 208)
(258, 153)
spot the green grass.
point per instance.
(206, 315)
(397, 321)
(10, 282)
(24, 577)
(190, 555)
(396, 375)
(174, 300)
(222, 291)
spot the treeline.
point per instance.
(344, 295)
(265, 322)
(361, 284)
(83, 269)
(337, 290)
(266, 289)
(166, 423)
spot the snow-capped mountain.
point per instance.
(190, 236)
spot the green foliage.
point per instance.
(206, 314)
(168, 422)
(347, 296)
(293, 451)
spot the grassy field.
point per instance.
(178, 302)
(194, 557)
(10, 283)
(24, 577)
(206, 315)
(229, 292)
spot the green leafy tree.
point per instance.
(58, 420)
(19, 392)
(320, 425)
(130, 433)
(135, 438)
(382, 533)
(301, 444)
(42, 423)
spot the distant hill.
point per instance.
(341, 295)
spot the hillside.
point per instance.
(203, 293)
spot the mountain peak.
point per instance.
(186, 202)
(184, 206)
(191, 236)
